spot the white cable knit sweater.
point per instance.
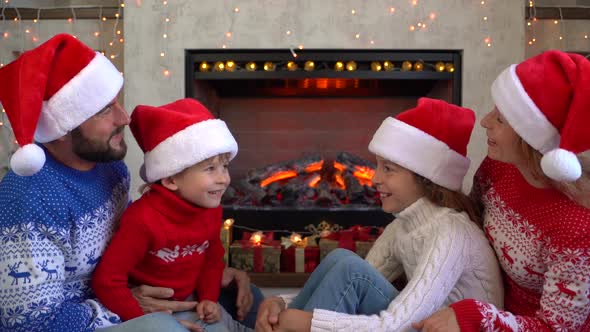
(446, 258)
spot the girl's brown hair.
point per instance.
(455, 200)
(578, 191)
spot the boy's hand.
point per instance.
(208, 311)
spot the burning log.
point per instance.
(308, 182)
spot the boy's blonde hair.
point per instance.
(223, 157)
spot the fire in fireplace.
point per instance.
(308, 182)
(297, 114)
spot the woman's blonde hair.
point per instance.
(224, 158)
(578, 191)
(455, 200)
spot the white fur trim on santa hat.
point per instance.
(522, 113)
(27, 160)
(94, 87)
(561, 165)
(188, 147)
(420, 153)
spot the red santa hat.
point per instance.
(546, 99)
(178, 135)
(50, 90)
(429, 140)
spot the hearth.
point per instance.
(303, 120)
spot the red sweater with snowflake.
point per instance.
(162, 241)
(542, 240)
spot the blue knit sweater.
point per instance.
(54, 226)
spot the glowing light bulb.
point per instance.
(96, 34)
(230, 66)
(388, 65)
(204, 66)
(439, 67)
(288, 32)
(269, 66)
(162, 54)
(357, 36)
(376, 66)
(309, 66)
(351, 66)
(339, 66)
(228, 34)
(166, 72)
(236, 10)
(251, 66)
(219, 66)
(291, 66)
(391, 10)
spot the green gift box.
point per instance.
(246, 256)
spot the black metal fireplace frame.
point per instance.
(193, 57)
(275, 218)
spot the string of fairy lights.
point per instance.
(561, 36)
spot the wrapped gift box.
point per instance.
(299, 255)
(252, 256)
(358, 239)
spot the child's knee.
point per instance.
(340, 253)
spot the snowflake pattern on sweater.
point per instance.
(542, 240)
(54, 227)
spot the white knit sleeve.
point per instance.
(381, 256)
(440, 266)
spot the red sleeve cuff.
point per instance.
(468, 315)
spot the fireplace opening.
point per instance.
(303, 125)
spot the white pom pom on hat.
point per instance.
(27, 160)
(561, 165)
(546, 99)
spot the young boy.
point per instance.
(170, 236)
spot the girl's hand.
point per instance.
(268, 314)
(208, 311)
(443, 320)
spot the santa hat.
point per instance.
(546, 99)
(50, 90)
(429, 140)
(178, 135)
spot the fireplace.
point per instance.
(303, 120)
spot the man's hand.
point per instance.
(245, 297)
(154, 299)
(208, 311)
(293, 320)
(443, 320)
(268, 314)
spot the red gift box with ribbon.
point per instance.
(298, 255)
(256, 252)
(357, 238)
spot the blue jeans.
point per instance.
(346, 283)
(155, 322)
(226, 324)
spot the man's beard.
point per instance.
(97, 151)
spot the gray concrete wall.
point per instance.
(318, 24)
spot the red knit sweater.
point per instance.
(162, 241)
(542, 240)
